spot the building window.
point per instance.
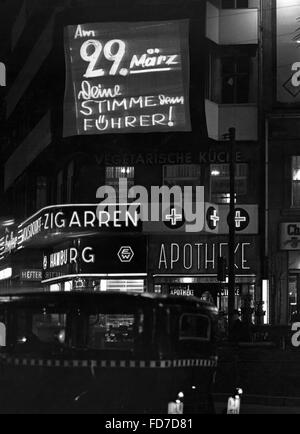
(234, 4)
(293, 296)
(296, 181)
(182, 175)
(220, 182)
(235, 80)
(41, 192)
(114, 174)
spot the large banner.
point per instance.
(127, 78)
(288, 51)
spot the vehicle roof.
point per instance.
(127, 298)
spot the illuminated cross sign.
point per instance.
(242, 219)
(127, 77)
(239, 219)
(174, 218)
(215, 218)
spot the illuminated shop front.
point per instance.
(290, 249)
(66, 248)
(185, 267)
(98, 264)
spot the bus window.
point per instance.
(40, 327)
(111, 332)
(50, 327)
(195, 327)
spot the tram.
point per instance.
(106, 353)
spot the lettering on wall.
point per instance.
(186, 256)
(160, 158)
(199, 256)
(127, 77)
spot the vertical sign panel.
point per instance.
(288, 51)
(127, 78)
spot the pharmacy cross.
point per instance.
(215, 218)
(239, 219)
(174, 217)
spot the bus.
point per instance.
(106, 353)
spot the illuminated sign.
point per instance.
(182, 292)
(6, 274)
(69, 256)
(185, 255)
(127, 78)
(216, 221)
(290, 236)
(97, 256)
(68, 220)
(31, 275)
(288, 51)
(8, 244)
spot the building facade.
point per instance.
(281, 126)
(57, 156)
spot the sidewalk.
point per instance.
(260, 404)
(270, 375)
(257, 409)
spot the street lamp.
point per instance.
(231, 136)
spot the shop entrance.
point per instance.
(216, 293)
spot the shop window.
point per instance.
(41, 192)
(293, 296)
(136, 286)
(234, 4)
(195, 327)
(220, 182)
(235, 80)
(296, 181)
(3, 323)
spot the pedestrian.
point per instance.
(240, 331)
